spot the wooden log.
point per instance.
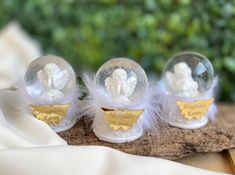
(172, 143)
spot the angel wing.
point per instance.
(44, 79)
(170, 78)
(113, 87)
(40, 76)
(129, 87)
(60, 79)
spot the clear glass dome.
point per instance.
(49, 78)
(188, 74)
(123, 80)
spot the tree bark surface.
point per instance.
(172, 143)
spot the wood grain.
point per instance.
(210, 161)
(231, 157)
(172, 143)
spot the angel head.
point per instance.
(53, 77)
(181, 81)
(182, 70)
(119, 86)
(119, 75)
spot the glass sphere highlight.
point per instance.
(49, 78)
(123, 80)
(188, 74)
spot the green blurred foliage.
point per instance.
(88, 33)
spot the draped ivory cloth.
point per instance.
(17, 50)
(87, 160)
(30, 147)
(18, 128)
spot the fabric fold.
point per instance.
(18, 128)
(87, 160)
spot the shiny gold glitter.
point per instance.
(122, 119)
(51, 114)
(194, 110)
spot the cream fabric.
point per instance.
(17, 50)
(87, 160)
(16, 40)
(18, 128)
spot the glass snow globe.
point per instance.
(122, 84)
(187, 82)
(123, 81)
(50, 86)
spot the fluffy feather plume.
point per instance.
(97, 98)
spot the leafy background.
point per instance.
(87, 33)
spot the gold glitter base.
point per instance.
(51, 114)
(194, 110)
(122, 119)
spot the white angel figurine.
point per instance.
(119, 86)
(181, 81)
(53, 79)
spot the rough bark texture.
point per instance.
(172, 143)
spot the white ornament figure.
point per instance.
(53, 79)
(119, 86)
(181, 81)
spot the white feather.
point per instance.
(97, 98)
